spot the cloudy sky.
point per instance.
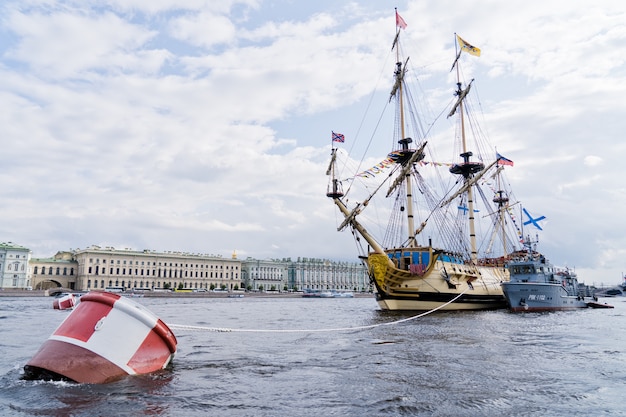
(204, 126)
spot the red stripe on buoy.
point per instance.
(72, 362)
(166, 334)
(90, 314)
(152, 351)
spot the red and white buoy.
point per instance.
(64, 302)
(105, 337)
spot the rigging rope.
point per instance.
(338, 329)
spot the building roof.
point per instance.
(11, 245)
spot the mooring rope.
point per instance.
(337, 329)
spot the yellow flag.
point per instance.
(465, 46)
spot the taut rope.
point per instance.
(337, 329)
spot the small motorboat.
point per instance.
(596, 304)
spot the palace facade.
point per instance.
(14, 266)
(323, 274)
(97, 268)
(58, 271)
(101, 268)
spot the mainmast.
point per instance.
(467, 168)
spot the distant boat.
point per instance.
(430, 253)
(596, 304)
(308, 293)
(346, 294)
(613, 292)
(536, 285)
(133, 295)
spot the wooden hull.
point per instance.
(403, 287)
(426, 301)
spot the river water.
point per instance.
(491, 363)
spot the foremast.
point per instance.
(406, 157)
(410, 156)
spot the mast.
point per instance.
(404, 141)
(334, 186)
(501, 199)
(466, 168)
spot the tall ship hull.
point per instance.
(442, 284)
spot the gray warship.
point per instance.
(536, 285)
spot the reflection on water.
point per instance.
(448, 364)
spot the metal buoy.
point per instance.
(105, 337)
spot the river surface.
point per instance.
(491, 363)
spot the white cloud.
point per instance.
(203, 29)
(65, 43)
(204, 126)
(592, 160)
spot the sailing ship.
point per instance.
(442, 263)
